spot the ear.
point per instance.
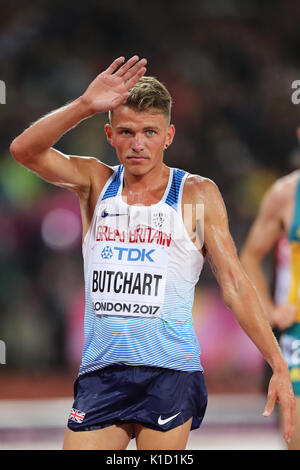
(170, 135)
(108, 132)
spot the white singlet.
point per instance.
(140, 270)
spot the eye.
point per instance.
(150, 132)
(126, 132)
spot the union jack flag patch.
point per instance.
(76, 415)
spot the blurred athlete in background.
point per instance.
(277, 226)
(143, 252)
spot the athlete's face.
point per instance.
(139, 138)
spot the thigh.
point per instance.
(114, 437)
(289, 343)
(174, 439)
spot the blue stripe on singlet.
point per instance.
(172, 198)
(113, 188)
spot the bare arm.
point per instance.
(34, 147)
(241, 297)
(264, 233)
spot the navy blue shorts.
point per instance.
(155, 397)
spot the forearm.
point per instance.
(257, 277)
(244, 302)
(45, 132)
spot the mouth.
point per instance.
(137, 158)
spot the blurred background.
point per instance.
(229, 67)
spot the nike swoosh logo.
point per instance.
(106, 214)
(164, 421)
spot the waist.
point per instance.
(141, 341)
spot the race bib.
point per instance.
(128, 279)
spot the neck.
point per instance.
(148, 188)
(147, 181)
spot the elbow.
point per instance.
(17, 151)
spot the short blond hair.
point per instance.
(146, 94)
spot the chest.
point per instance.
(116, 221)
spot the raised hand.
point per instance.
(111, 87)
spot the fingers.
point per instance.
(116, 63)
(283, 393)
(132, 81)
(289, 415)
(132, 71)
(288, 421)
(134, 61)
(133, 67)
(269, 405)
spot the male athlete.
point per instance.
(143, 251)
(278, 226)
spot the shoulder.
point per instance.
(206, 199)
(89, 163)
(279, 195)
(200, 188)
(286, 184)
(93, 167)
(95, 171)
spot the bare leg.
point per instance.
(150, 439)
(110, 438)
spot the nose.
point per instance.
(137, 143)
